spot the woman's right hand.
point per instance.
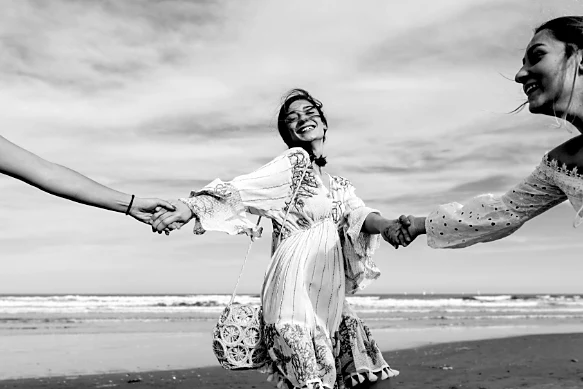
(166, 221)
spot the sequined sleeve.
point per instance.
(222, 206)
(358, 247)
(486, 218)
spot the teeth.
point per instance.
(530, 88)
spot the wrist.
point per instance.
(419, 224)
(129, 208)
(384, 223)
(188, 206)
(121, 203)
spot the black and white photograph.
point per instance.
(298, 194)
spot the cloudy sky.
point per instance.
(159, 97)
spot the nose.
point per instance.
(521, 76)
(302, 118)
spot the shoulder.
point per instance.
(569, 153)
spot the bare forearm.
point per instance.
(66, 183)
(374, 223)
(58, 180)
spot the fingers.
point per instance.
(405, 220)
(171, 227)
(165, 204)
(164, 221)
(159, 212)
(386, 234)
(402, 239)
(406, 234)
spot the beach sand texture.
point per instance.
(533, 362)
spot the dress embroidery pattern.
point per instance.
(309, 185)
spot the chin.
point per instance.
(534, 109)
(543, 109)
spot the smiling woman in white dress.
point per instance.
(551, 78)
(328, 237)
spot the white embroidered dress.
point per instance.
(486, 218)
(313, 337)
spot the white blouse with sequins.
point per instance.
(487, 217)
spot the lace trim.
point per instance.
(563, 169)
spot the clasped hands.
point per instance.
(164, 220)
(402, 231)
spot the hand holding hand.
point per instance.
(395, 234)
(414, 226)
(143, 209)
(166, 221)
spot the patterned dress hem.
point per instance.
(354, 378)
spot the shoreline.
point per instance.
(158, 346)
(533, 361)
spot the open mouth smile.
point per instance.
(529, 88)
(305, 129)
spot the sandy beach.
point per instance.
(534, 362)
(77, 341)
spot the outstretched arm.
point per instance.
(488, 217)
(390, 230)
(66, 183)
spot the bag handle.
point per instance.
(278, 238)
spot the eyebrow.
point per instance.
(531, 49)
(306, 108)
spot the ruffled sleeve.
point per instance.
(487, 217)
(222, 206)
(358, 247)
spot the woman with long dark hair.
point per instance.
(328, 237)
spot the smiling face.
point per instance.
(303, 122)
(547, 75)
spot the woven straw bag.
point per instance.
(238, 335)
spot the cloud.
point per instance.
(485, 35)
(158, 98)
(214, 125)
(93, 45)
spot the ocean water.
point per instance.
(390, 309)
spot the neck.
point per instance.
(576, 121)
(317, 147)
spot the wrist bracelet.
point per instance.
(130, 205)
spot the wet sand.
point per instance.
(533, 361)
